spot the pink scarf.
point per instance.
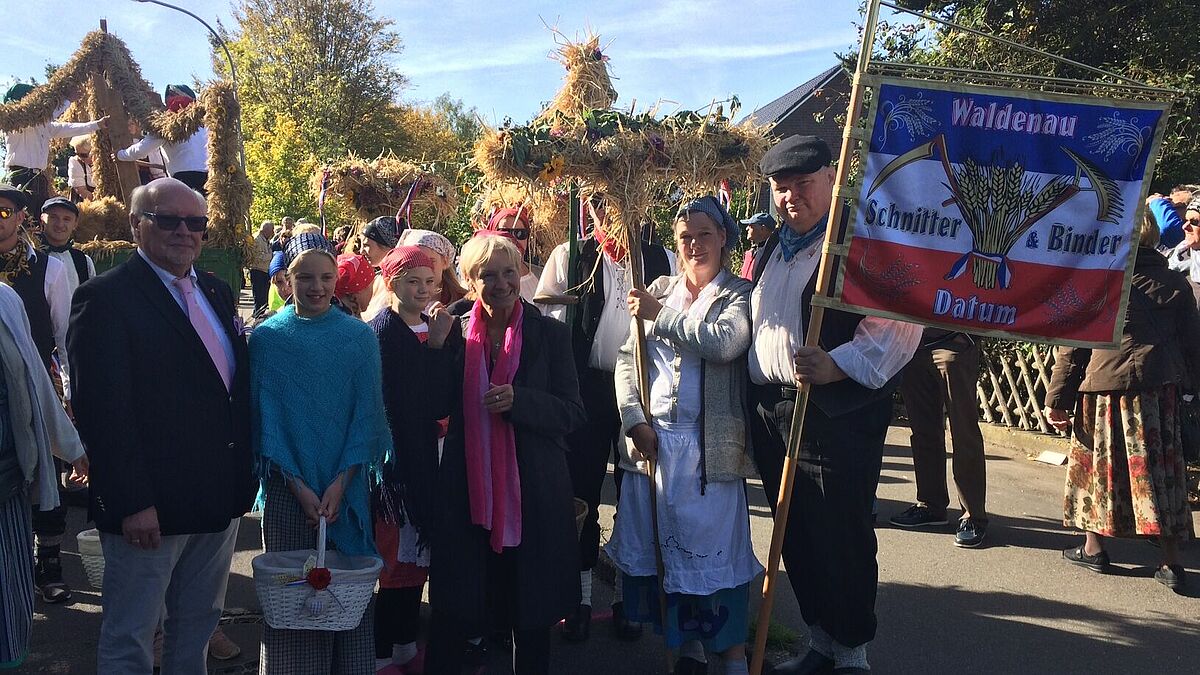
(493, 484)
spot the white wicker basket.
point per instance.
(298, 606)
(92, 555)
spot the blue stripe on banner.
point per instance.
(980, 124)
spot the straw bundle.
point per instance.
(378, 187)
(104, 218)
(587, 84)
(999, 204)
(217, 109)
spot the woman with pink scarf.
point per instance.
(505, 551)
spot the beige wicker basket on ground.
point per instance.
(92, 556)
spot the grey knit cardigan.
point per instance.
(721, 341)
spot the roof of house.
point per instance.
(782, 106)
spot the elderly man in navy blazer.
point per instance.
(161, 401)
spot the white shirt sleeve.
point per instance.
(58, 295)
(144, 147)
(554, 281)
(880, 348)
(91, 265)
(69, 129)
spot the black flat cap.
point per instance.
(796, 154)
(14, 194)
(61, 202)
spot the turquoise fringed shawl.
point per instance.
(317, 402)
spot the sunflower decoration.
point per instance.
(552, 170)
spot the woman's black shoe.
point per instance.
(578, 626)
(623, 628)
(1096, 563)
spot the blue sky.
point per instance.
(493, 55)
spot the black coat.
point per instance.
(409, 368)
(159, 426)
(546, 407)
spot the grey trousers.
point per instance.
(188, 575)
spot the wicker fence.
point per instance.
(1013, 380)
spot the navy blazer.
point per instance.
(159, 425)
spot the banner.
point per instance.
(998, 212)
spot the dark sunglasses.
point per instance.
(83, 155)
(519, 234)
(171, 223)
(6, 213)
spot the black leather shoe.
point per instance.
(623, 628)
(812, 663)
(686, 665)
(578, 626)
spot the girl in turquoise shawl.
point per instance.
(319, 428)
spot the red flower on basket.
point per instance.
(319, 578)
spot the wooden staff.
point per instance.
(811, 339)
(637, 272)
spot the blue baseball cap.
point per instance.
(762, 219)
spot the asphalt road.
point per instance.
(1011, 606)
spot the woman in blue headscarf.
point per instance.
(697, 327)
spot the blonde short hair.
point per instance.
(301, 228)
(81, 142)
(480, 249)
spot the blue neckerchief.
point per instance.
(791, 242)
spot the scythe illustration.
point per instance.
(999, 203)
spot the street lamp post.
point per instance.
(228, 57)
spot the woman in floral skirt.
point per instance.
(1126, 475)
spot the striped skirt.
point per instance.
(16, 579)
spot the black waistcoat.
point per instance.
(837, 328)
(31, 286)
(588, 271)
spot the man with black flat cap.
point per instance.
(829, 547)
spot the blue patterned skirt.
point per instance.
(719, 621)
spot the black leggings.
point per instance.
(397, 618)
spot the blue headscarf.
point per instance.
(709, 206)
(276, 264)
(302, 242)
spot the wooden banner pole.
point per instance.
(637, 272)
(811, 339)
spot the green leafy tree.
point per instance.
(326, 64)
(1149, 40)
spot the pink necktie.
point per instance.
(205, 330)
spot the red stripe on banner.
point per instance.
(1046, 301)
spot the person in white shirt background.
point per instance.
(29, 148)
(187, 160)
(80, 176)
(599, 326)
